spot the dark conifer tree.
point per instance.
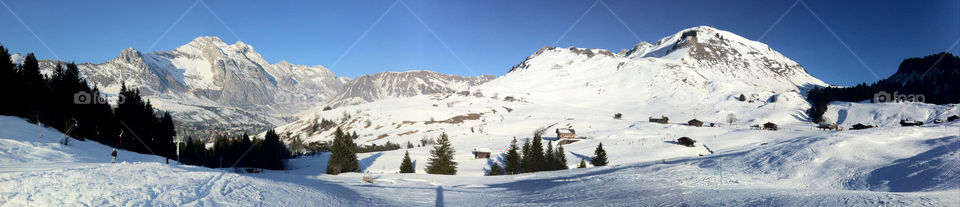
(8, 81)
(495, 169)
(537, 159)
(600, 157)
(551, 162)
(441, 157)
(406, 166)
(561, 158)
(34, 88)
(525, 163)
(165, 134)
(342, 155)
(582, 164)
(513, 165)
(272, 152)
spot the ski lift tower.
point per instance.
(178, 140)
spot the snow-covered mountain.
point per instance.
(697, 73)
(368, 88)
(209, 84)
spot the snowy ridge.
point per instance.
(565, 85)
(207, 82)
(368, 88)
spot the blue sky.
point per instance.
(488, 36)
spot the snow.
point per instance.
(813, 169)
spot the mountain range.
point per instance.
(209, 84)
(697, 73)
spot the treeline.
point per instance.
(533, 158)
(240, 151)
(934, 76)
(67, 103)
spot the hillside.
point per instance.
(584, 88)
(749, 167)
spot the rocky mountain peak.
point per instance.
(130, 55)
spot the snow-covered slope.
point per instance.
(678, 77)
(792, 167)
(887, 114)
(368, 88)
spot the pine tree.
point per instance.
(537, 159)
(7, 80)
(342, 155)
(561, 158)
(35, 86)
(551, 161)
(600, 158)
(441, 157)
(165, 134)
(406, 166)
(495, 170)
(513, 165)
(525, 163)
(582, 164)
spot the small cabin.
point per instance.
(910, 123)
(830, 126)
(686, 141)
(860, 126)
(661, 119)
(618, 116)
(566, 133)
(695, 122)
(771, 126)
(481, 153)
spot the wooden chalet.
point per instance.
(830, 126)
(695, 122)
(566, 133)
(686, 141)
(481, 153)
(771, 126)
(910, 123)
(860, 126)
(662, 119)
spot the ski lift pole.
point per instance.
(38, 127)
(178, 141)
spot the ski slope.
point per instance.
(796, 166)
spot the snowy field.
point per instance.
(898, 166)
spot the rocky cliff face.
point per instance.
(368, 88)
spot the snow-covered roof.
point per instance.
(481, 149)
(566, 131)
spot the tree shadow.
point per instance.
(927, 171)
(439, 201)
(673, 142)
(584, 157)
(841, 116)
(366, 162)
